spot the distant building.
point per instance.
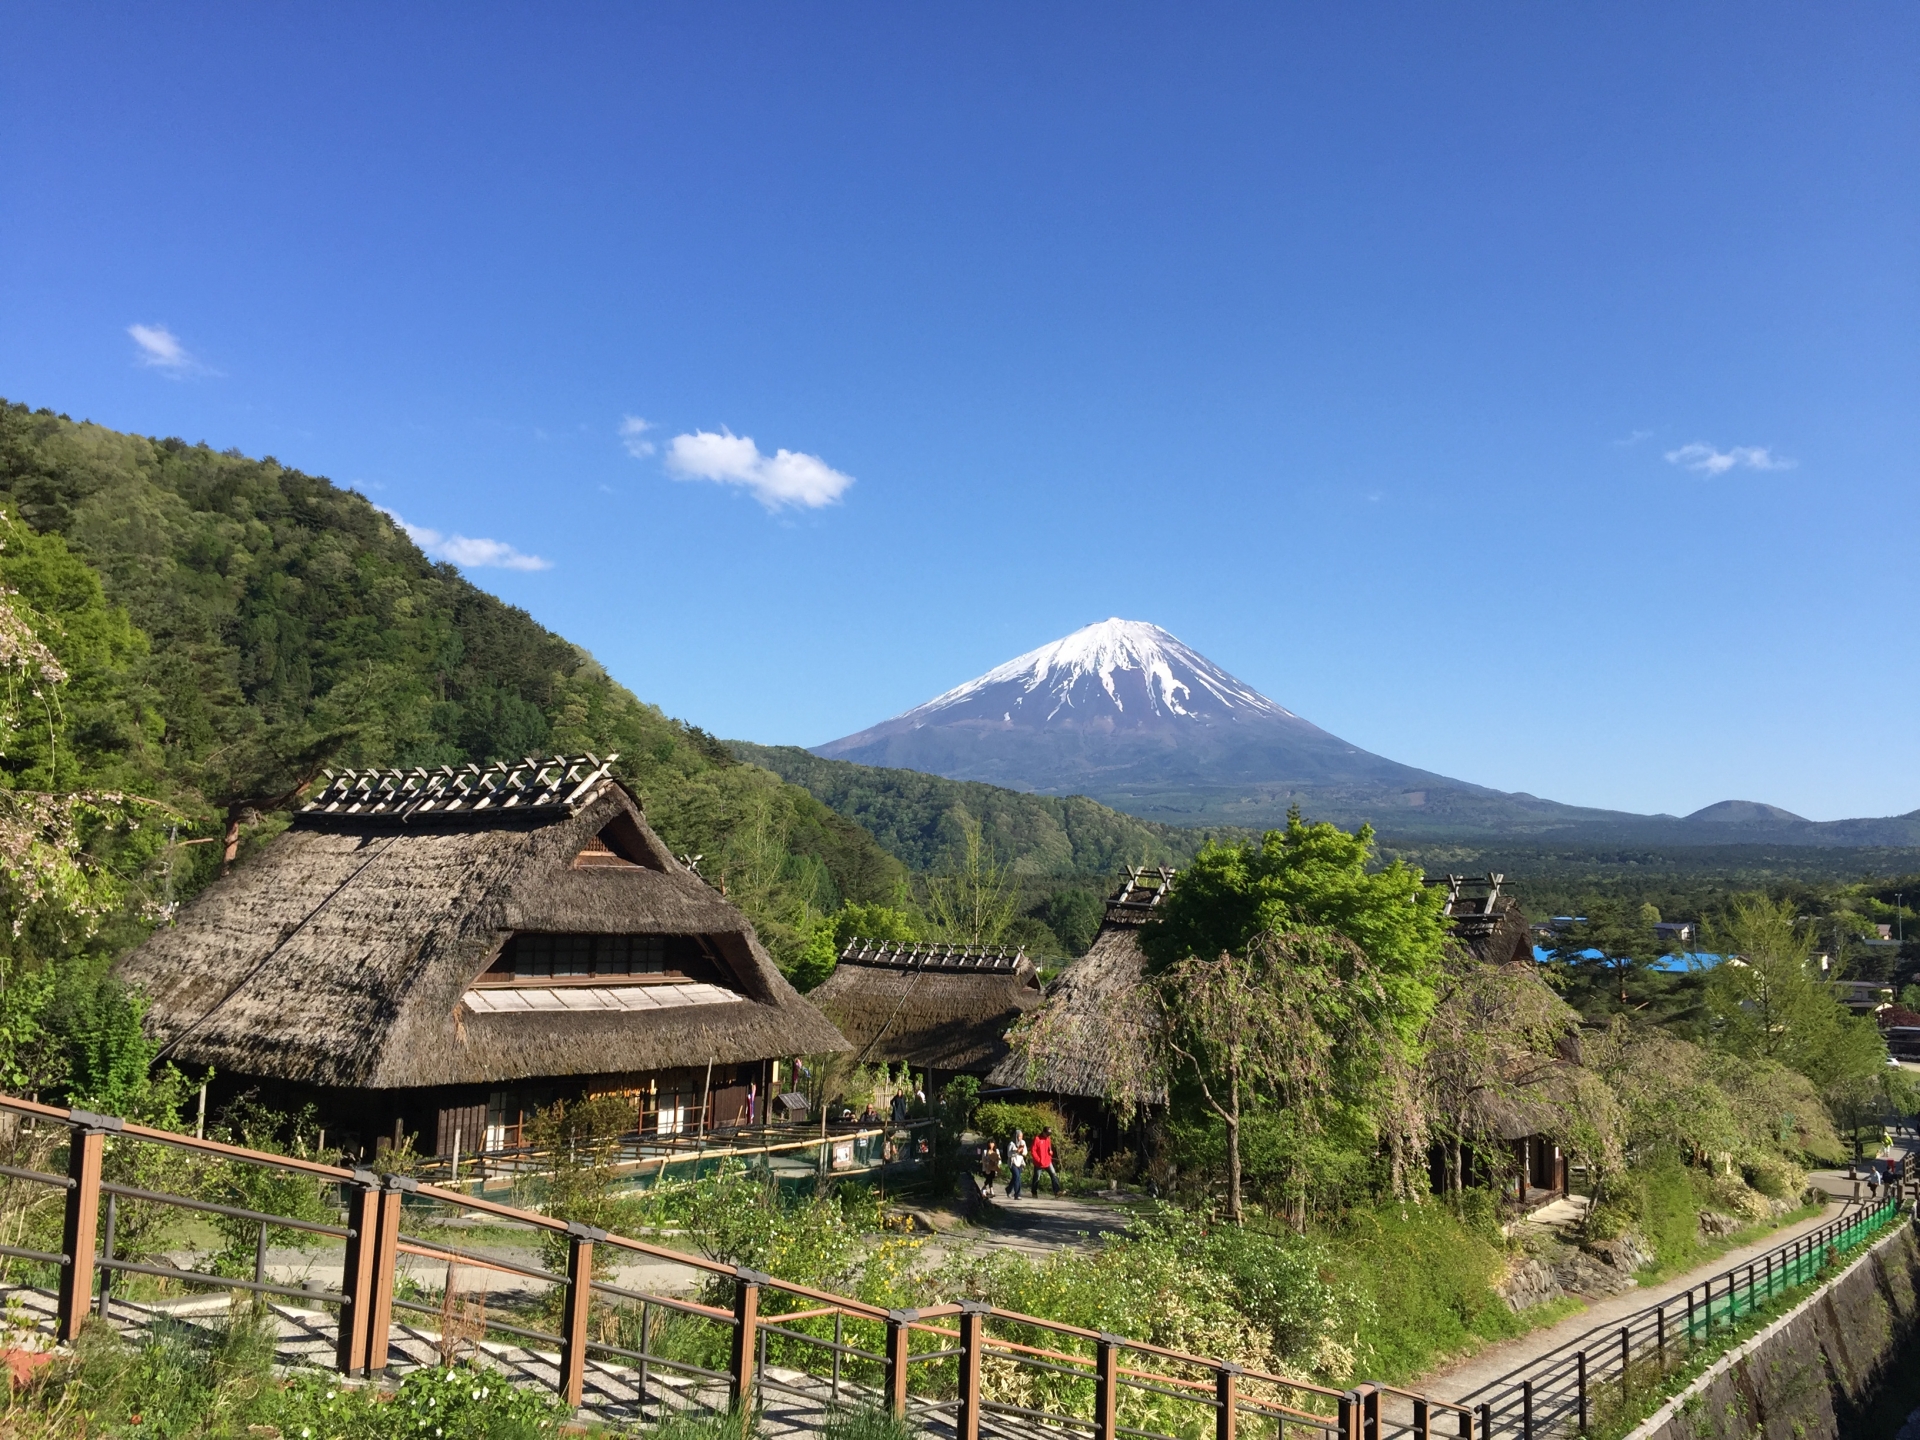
(1862, 996)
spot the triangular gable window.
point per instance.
(611, 850)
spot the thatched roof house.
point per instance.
(940, 1007)
(431, 944)
(1489, 924)
(1094, 1015)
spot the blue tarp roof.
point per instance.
(1678, 963)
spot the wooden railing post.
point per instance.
(1226, 1401)
(1466, 1425)
(356, 1280)
(386, 1268)
(573, 1321)
(1106, 1388)
(746, 1322)
(1422, 1423)
(899, 1353)
(973, 1320)
(1369, 1411)
(1350, 1415)
(85, 1150)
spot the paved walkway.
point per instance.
(1602, 1317)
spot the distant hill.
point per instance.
(1123, 712)
(261, 621)
(921, 818)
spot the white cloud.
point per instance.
(787, 477)
(1634, 438)
(161, 349)
(632, 428)
(1708, 461)
(464, 550)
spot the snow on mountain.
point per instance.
(1122, 701)
(1097, 671)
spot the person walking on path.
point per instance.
(1043, 1160)
(1016, 1163)
(990, 1165)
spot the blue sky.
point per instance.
(1361, 347)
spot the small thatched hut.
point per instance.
(1524, 1120)
(936, 1007)
(1488, 923)
(1093, 1015)
(441, 952)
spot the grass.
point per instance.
(1427, 1276)
(217, 1382)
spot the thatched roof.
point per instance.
(347, 953)
(944, 1006)
(1488, 923)
(1094, 1014)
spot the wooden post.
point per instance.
(85, 1149)
(1466, 1425)
(1626, 1357)
(1660, 1337)
(972, 1329)
(573, 1321)
(746, 1321)
(899, 1352)
(1106, 1389)
(1226, 1402)
(1580, 1387)
(386, 1268)
(1422, 1427)
(1369, 1411)
(1350, 1416)
(357, 1279)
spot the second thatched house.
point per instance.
(1095, 1023)
(438, 953)
(945, 1008)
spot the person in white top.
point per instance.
(1016, 1162)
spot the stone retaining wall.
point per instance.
(1814, 1372)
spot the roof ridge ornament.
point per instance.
(947, 955)
(555, 782)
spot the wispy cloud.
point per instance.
(464, 550)
(1707, 460)
(1633, 438)
(632, 432)
(160, 348)
(786, 477)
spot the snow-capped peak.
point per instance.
(1076, 670)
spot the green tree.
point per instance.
(973, 900)
(1609, 951)
(1310, 877)
(1291, 1024)
(1766, 998)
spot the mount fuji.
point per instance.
(1123, 712)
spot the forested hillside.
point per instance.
(220, 627)
(922, 818)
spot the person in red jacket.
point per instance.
(1043, 1161)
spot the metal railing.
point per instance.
(753, 1338)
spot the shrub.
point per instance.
(997, 1120)
(1773, 1176)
